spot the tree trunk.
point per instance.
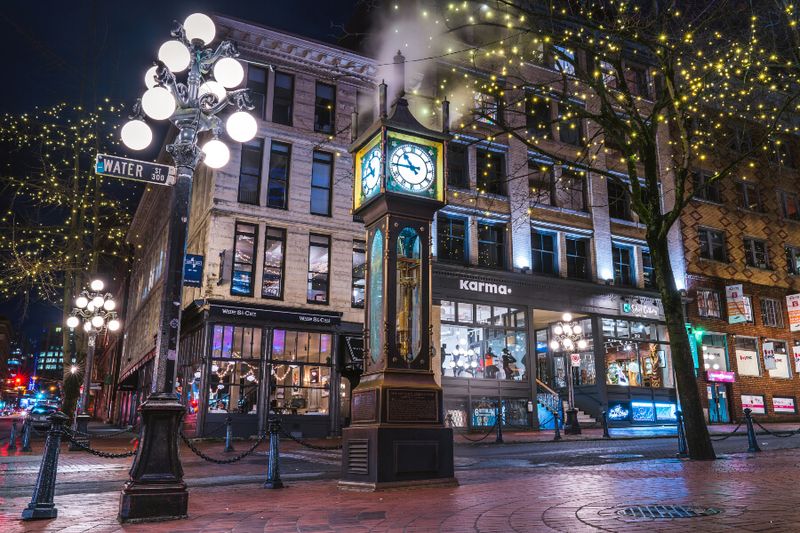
(698, 439)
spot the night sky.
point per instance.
(81, 52)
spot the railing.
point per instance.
(549, 398)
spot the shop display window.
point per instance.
(235, 342)
(584, 374)
(633, 357)
(301, 372)
(747, 356)
(714, 352)
(484, 342)
(456, 413)
(781, 369)
(233, 387)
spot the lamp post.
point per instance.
(155, 490)
(96, 310)
(567, 336)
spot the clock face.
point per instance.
(412, 167)
(371, 171)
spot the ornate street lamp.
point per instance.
(566, 337)
(156, 490)
(96, 310)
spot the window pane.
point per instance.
(321, 183)
(257, 83)
(491, 245)
(451, 239)
(570, 191)
(577, 258)
(274, 245)
(465, 312)
(359, 274)
(448, 311)
(324, 108)
(318, 265)
(457, 166)
(491, 171)
(250, 171)
(543, 246)
(278, 189)
(243, 259)
(233, 387)
(283, 99)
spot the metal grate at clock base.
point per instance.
(666, 512)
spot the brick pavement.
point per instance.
(753, 493)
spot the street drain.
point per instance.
(665, 512)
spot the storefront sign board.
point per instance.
(314, 319)
(734, 296)
(575, 359)
(768, 349)
(784, 406)
(793, 305)
(747, 362)
(754, 402)
(641, 307)
(720, 376)
(619, 411)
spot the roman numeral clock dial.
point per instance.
(412, 167)
(371, 172)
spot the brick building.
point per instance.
(744, 231)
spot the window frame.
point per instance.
(583, 179)
(648, 270)
(743, 196)
(282, 240)
(497, 177)
(701, 190)
(236, 233)
(498, 246)
(621, 200)
(561, 121)
(285, 180)
(311, 244)
(362, 247)
(707, 232)
(535, 168)
(542, 253)
(795, 251)
(587, 258)
(251, 67)
(619, 266)
(751, 253)
(710, 296)
(316, 157)
(461, 159)
(249, 145)
(448, 221)
(777, 309)
(317, 108)
(276, 100)
(783, 196)
(534, 113)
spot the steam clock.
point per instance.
(397, 436)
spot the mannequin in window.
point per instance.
(509, 364)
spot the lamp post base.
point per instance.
(82, 428)
(156, 490)
(572, 426)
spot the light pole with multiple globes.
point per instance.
(568, 336)
(155, 490)
(96, 310)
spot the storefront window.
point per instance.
(584, 374)
(633, 361)
(233, 387)
(485, 342)
(747, 356)
(714, 352)
(301, 372)
(781, 369)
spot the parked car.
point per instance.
(40, 416)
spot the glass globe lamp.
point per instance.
(199, 27)
(158, 103)
(73, 322)
(150, 77)
(87, 327)
(97, 285)
(81, 301)
(215, 88)
(217, 154)
(228, 72)
(97, 302)
(113, 324)
(136, 134)
(98, 321)
(174, 55)
(109, 305)
(241, 126)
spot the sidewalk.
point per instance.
(747, 493)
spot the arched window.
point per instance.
(376, 296)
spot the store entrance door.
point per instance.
(718, 404)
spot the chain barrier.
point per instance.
(489, 432)
(228, 461)
(107, 455)
(729, 435)
(791, 433)
(307, 445)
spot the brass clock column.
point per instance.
(397, 436)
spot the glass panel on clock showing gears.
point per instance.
(411, 167)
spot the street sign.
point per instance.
(132, 169)
(193, 270)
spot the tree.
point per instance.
(642, 95)
(61, 223)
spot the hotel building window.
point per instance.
(250, 171)
(545, 252)
(274, 263)
(283, 99)
(491, 245)
(491, 171)
(451, 239)
(318, 269)
(359, 274)
(278, 185)
(577, 252)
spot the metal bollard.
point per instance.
(26, 435)
(557, 424)
(12, 443)
(229, 434)
(273, 466)
(606, 434)
(752, 443)
(683, 449)
(498, 416)
(42, 506)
